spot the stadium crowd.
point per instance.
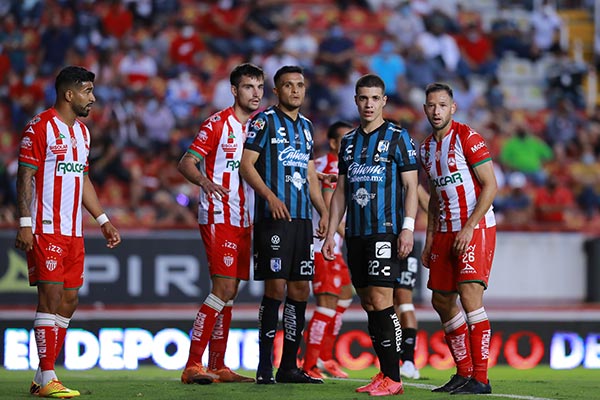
(162, 67)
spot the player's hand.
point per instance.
(214, 189)
(406, 242)
(111, 234)
(24, 239)
(322, 228)
(278, 209)
(327, 178)
(462, 240)
(328, 249)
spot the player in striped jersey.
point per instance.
(461, 237)
(224, 220)
(377, 188)
(52, 186)
(278, 164)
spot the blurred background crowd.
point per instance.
(523, 73)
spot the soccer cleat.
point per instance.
(295, 375)
(314, 372)
(375, 381)
(264, 377)
(409, 370)
(225, 374)
(56, 390)
(473, 387)
(34, 389)
(454, 383)
(197, 374)
(387, 387)
(332, 368)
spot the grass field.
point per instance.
(540, 383)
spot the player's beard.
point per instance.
(81, 111)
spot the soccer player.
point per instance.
(377, 188)
(52, 186)
(332, 286)
(278, 164)
(212, 162)
(461, 237)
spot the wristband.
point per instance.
(25, 222)
(101, 219)
(409, 223)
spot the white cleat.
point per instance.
(408, 370)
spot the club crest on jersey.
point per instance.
(229, 147)
(383, 146)
(275, 264)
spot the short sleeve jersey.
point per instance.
(220, 143)
(59, 154)
(285, 147)
(449, 164)
(372, 164)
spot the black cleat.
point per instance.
(473, 387)
(264, 377)
(454, 383)
(295, 375)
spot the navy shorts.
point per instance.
(283, 250)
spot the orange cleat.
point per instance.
(333, 369)
(197, 374)
(387, 387)
(375, 381)
(226, 375)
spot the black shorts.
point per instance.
(283, 250)
(409, 268)
(373, 260)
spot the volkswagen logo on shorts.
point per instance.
(275, 239)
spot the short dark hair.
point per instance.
(245, 69)
(369, 80)
(439, 87)
(333, 128)
(72, 76)
(286, 69)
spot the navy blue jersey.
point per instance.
(372, 164)
(285, 148)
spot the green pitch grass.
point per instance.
(540, 383)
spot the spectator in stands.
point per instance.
(14, 42)
(389, 66)
(585, 172)
(555, 205)
(420, 70)
(336, 53)
(438, 45)
(562, 125)
(526, 153)
(262, 24)
(137, 67)
(404, 25)
(545, 26)
(186, 46)
(221, 24)
(117, 20)
(158, 121)
(477, 51)
(55, 43)
(184, 95)
(301, 44)
(515, 204)
(565, 80)
(508, 38)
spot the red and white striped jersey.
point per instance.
(220, 143)
(327, 164)
(449, 165)
(59, 154)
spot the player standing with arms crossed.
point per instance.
(377, 187)
(278, 164)
(224, 219)
(461, 237)
(52, 185)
